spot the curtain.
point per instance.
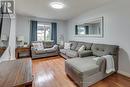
(33, 31)
(76, 29)
(54, 32)
(86, 30)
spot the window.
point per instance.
(81, 30)
(43, 31)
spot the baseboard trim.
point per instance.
(124, 73)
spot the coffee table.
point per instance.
(16, 73)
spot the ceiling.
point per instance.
(41, 8)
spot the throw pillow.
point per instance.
(55, 47)
(38, 46)
(85, 53)
(82, 48)
(73, 45)
(67, 45)
(78, 46)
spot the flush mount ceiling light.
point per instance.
(57, 5)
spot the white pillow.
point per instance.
(38, 46)
(67, 45)
(55, 47)
(82, 48)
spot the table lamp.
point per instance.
(20, 40)
(4, 39)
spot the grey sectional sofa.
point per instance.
(73, 51)
(81, 67)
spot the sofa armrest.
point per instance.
(55, 47)
(85, 53)
(61, 46)
(33, 50)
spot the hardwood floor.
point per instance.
(49, 72)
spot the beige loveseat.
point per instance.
(47, 49)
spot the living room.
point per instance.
(65, 43)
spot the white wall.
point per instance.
(23, 26)
(116, 29)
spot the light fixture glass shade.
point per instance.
(20, 38)
(57, 5)
(4, 37)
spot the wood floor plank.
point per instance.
(50, 72)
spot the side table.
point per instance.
(20, 50)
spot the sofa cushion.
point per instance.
(88, 46)
(83, 67)
(73, 45)
(79, 45)
(63, 51)
(40, 52)
(82, 48)
(71, 53)
(38, 46)
(48, 44)
(102, 49)
(49, 50)
(85, 53)
(67, 45)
